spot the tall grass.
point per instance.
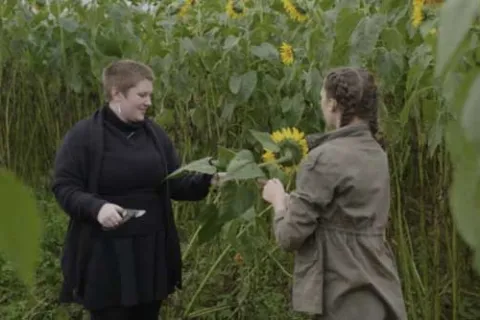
(50, 67)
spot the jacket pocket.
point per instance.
(308, 278)
(308, 252)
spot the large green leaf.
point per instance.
(366, 34)
(389, 65)
(393, 39)
(462, 139)
(236, 201)
(456, 19)
(313, 85)
(346, 22)
(471, 114)
(265, 139)
(420, 60)
(248, 85)
(243, 167)
(203, 166)
(465, 188)
(225, 155)
(209, 223)
(234, 83)
(265, 51)
(20, 226)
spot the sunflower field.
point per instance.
(238, 90)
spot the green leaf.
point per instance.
(236, 201)
(313, 85)
(234, 84)
(265, 139)
(68, 24)
(230, 42)
(389, 65)
(347, 20)
(199, 117)
(419, 62)
(210, 224)
(225, 155)
(228, 109)
(202, 166)
(274, 171)
(20, 226)
(187, 45)
(456, 18)
(393, 40)
(293, 114)
(471, 114)
(243, 167)
(165, 118)
(248, 84)
(465, 189)
(265, 51)
(366, 34)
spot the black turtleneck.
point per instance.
(131, 174)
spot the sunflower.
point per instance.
(185, 7)
(293, 148)
(235, 9)
(294, 11)
(286, 54)
(417, 17)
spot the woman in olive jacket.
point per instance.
(336, 218)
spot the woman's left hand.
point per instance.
(218, 179)
(274, 192)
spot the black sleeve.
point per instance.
(70, 179)
(189, 187)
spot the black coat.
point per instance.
(75, 185)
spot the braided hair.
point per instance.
(355, 91)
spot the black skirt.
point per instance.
(126, 271)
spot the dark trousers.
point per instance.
(148, 311)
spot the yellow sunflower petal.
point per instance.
(293, 12)
(286, 54)
(268, 156)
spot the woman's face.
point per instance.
(133, 106)
(329, 110)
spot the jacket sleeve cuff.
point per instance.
(95, 206)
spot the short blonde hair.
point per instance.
(123, 75)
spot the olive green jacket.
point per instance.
(335, 222)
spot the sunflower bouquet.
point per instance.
(282, 152)
(278, 156)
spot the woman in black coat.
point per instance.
(116, 265)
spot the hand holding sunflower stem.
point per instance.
(274, 193)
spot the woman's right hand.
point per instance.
(109, 215)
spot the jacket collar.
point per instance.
(353, 130)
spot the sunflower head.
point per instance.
(235, 8)
(293, 148)
(294, 11)
(286, 54)
(185, 7)
(417, 15)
